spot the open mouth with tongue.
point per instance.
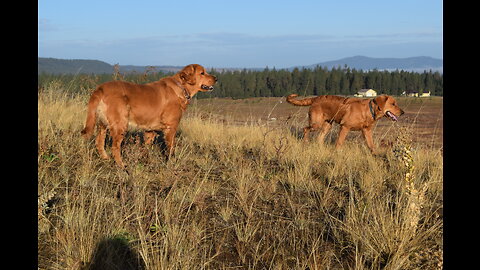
(207, 88)
(391, 115)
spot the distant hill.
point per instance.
(418, 64)
(74, 66)
(141, 69)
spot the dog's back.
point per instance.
(330, 106)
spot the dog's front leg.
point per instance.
(367, 134)
(169, 134)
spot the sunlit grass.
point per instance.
(249, 196)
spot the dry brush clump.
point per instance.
(245, 196)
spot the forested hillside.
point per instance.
(321, 81)
(276, 83)
(72, 66)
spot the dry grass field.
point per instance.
(242, 192)
(424, 116)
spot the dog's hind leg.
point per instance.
(100, 140)
(326, 127)
(118, 120)
(306, 131)
(315, 121)
(117, 135)
(341, 136)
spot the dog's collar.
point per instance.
(186, 94)
(371, 108)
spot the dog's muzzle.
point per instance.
(391, 115)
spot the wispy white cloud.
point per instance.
(248, 39)
(224, 49)
(419, 35)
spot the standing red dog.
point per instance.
(156, 106)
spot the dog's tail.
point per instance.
(95, 98)
(303, 102)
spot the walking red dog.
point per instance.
(350, 113)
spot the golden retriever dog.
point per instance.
(350, 113)
(152, 107)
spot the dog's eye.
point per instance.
(203, 73)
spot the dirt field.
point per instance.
(423, 116)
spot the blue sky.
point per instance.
(238, 33)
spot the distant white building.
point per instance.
(366, 93)
(416, 94)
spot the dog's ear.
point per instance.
(381, 101)
(187, 74)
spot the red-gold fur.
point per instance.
(156, 106)
(350, 113)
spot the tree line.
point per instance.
(322, 81)
(277, 83)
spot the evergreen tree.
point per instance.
(319, 81)
(356, 82)
(296, 82)
(333, 82)
(249, 83)
(344, 84)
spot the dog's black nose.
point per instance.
(215, 77)
(401, 112)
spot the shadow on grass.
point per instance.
(136, 137)
(115, 253)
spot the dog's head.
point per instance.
(195, 75)
(388, 106)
